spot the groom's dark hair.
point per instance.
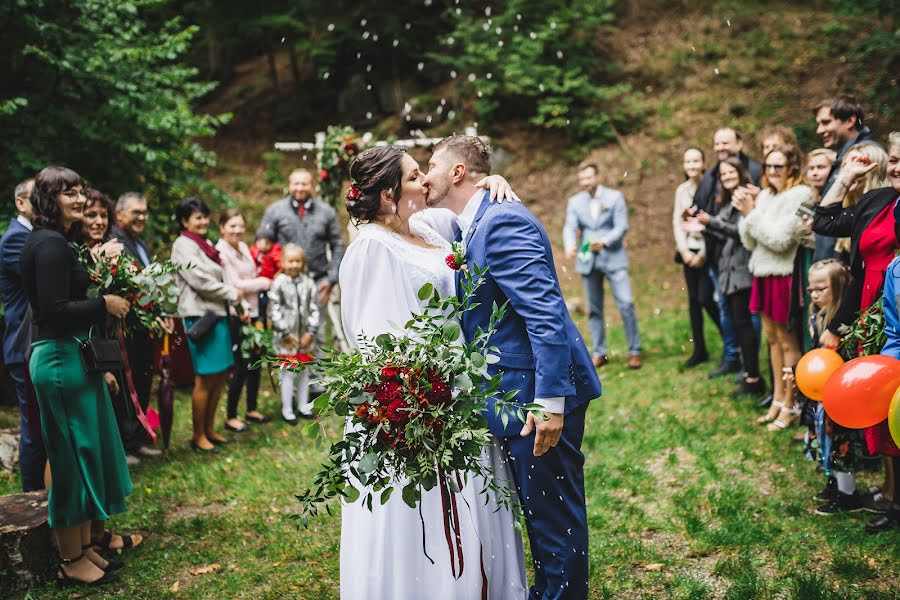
(472, 151)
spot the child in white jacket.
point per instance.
(295, 320)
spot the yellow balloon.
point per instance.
(894, 417)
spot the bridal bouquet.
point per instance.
(152, 290)
(415, 403)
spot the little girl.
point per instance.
(295, 320)
(841, 449)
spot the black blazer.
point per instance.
(130, 244)
(836, 221)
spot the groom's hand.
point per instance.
(547, 432)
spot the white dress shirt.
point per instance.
(25, 222)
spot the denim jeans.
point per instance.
(620, 285)
(32, 456)
(732, 351)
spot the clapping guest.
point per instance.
(768, 230)
(202, 305)
(87, 461)
(735, 279)
(690, 250)
(241, 273)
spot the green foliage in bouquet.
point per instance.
(341, 145)
(866, 336)
(256, 341)
(415, 403)
(151, 291)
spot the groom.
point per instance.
(542, 355)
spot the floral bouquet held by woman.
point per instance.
(414, 404)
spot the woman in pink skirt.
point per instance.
(769, 229)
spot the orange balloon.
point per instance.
(859, 393)
(814, 369)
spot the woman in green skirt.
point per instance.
(87, 461)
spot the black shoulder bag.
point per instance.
(99, 355)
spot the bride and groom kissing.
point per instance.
(407, 221)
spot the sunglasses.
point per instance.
(776, 168)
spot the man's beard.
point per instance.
(436, 195)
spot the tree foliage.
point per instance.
(546, 61)
(93, 85)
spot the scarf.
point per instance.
(208, 249)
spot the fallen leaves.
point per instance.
(205, 569)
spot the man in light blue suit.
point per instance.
(542, 356)
(596, 224)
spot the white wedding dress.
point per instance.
(382, 556)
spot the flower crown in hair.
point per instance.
(354, 193)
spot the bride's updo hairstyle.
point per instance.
(372, 172)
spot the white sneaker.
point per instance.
(149, 452)
(131, 460)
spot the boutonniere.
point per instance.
(456, 260)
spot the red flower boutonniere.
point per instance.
(456, 260)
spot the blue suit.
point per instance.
(31, 449)
(542, 355)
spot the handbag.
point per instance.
(202, 326)
(100, 355)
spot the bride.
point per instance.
(401, 247)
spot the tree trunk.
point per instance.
(9, 449)
(273, 70)
(27, 555)
(295, 68)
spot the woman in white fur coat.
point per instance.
(769, 230)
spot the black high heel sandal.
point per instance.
(64, 581)
(111, 565)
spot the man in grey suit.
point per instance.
(596, 224)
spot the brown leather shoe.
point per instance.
(599, 361)
(634, 361)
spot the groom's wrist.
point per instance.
(556, 404)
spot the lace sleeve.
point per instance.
(436, 225)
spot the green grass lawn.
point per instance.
(686, 499)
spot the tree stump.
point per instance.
(27, 554)
(9, 449)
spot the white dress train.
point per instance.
(382, 555)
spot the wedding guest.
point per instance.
(31, 448)
(773, 136)
(202, 302)
(818, 165)
(130, 223)
(597, 219)
(727, 142)
(872, 227)
(295, 320)
(94, 233)
(240, 273)
(839, 120)
(87, 461)
(312, 224)
(267, 254)
(768, 230)
(690, 251)
(735, 279)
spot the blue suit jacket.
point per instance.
(542, 354)
(11, 291)
(609, 227)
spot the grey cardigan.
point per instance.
(202, 286)
(734, 258)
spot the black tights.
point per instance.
(242, 375)
(700, 297)
(739, 305)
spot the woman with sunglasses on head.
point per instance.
(768, 229)
(87, 461)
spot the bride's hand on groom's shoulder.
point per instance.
(500, 189)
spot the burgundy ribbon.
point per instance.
(451, 525)
(129, 382)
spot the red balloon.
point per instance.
(859, 393)
(814, 369)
